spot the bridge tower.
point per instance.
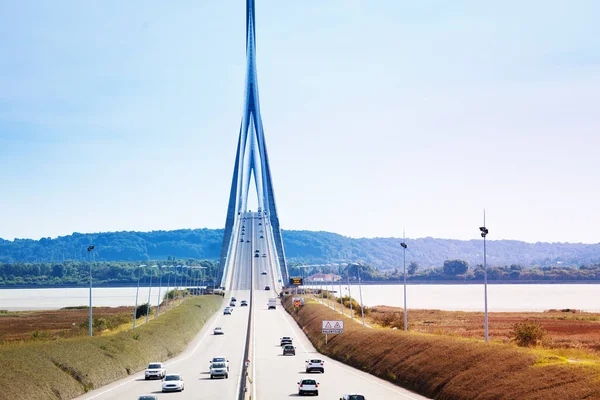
(251, 161)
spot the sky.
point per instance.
(379, 116)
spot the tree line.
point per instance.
(453, 270)
(300, 246)
(77, 273)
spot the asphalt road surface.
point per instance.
(275, 376)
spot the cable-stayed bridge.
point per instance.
(252, 164)
(253, 267)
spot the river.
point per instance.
(501, 297)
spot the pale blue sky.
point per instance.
(379, 115)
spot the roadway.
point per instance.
(274, 376)
(193, 363)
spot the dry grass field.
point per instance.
(450, 366)
(54, 324)
(67, 367)
(569, 329)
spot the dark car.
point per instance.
(267, 287)
(285, 340)
(289, 349)
(244, 303)
(256, 255)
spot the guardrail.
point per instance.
(244, 376)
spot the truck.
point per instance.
(272, 303)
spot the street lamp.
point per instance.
(149, 291)
(362, 309)
(159, 290)
(89, 249)
(136, 295)
(201, 268)
(340, 284)
(484, 231)
(403, 244)
(168, 287)
(186, 280)
(350, 296)
(177, 287)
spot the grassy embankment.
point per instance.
(445, 367)
(66, 368)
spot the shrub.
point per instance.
(527, 333)
(142, 310)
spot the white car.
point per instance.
(219, 369)
(220, 360)
(155, 370)
(172, 383)
(353, 396)
(306, 386)
(315, 364)
(218, 331)
(227, 311)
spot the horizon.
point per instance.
(378, 117)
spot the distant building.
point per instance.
(324, 278)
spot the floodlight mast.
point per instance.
(484, 231)
(403, 244)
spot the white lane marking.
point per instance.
(111, 389)
(166, 364)
(348, 368)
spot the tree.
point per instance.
(412, 268)
(455, 267)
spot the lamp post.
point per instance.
(340, 284)
(159, 290)
(484, 231)
(177, 287)
(89, 249)
(168, 287)
(334, 302)
(350, 296)
(149, 291)
(362, 308)
(403, 244)
(137, 291)
(187, 272)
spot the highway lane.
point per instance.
(193, 363)
(277, 375)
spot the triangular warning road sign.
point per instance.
(337, 325)
(327, 325)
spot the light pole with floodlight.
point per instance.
(186, 280)
(484, 232)
(340, 284)
(89, 249)
(159, 290)
(168, 287)
(362, 308)
(350, 297)
(137, 291)
(177, 287)
(149, 292)
(403, 244)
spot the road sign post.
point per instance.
(329, 327)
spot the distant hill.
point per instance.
(300, 246)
